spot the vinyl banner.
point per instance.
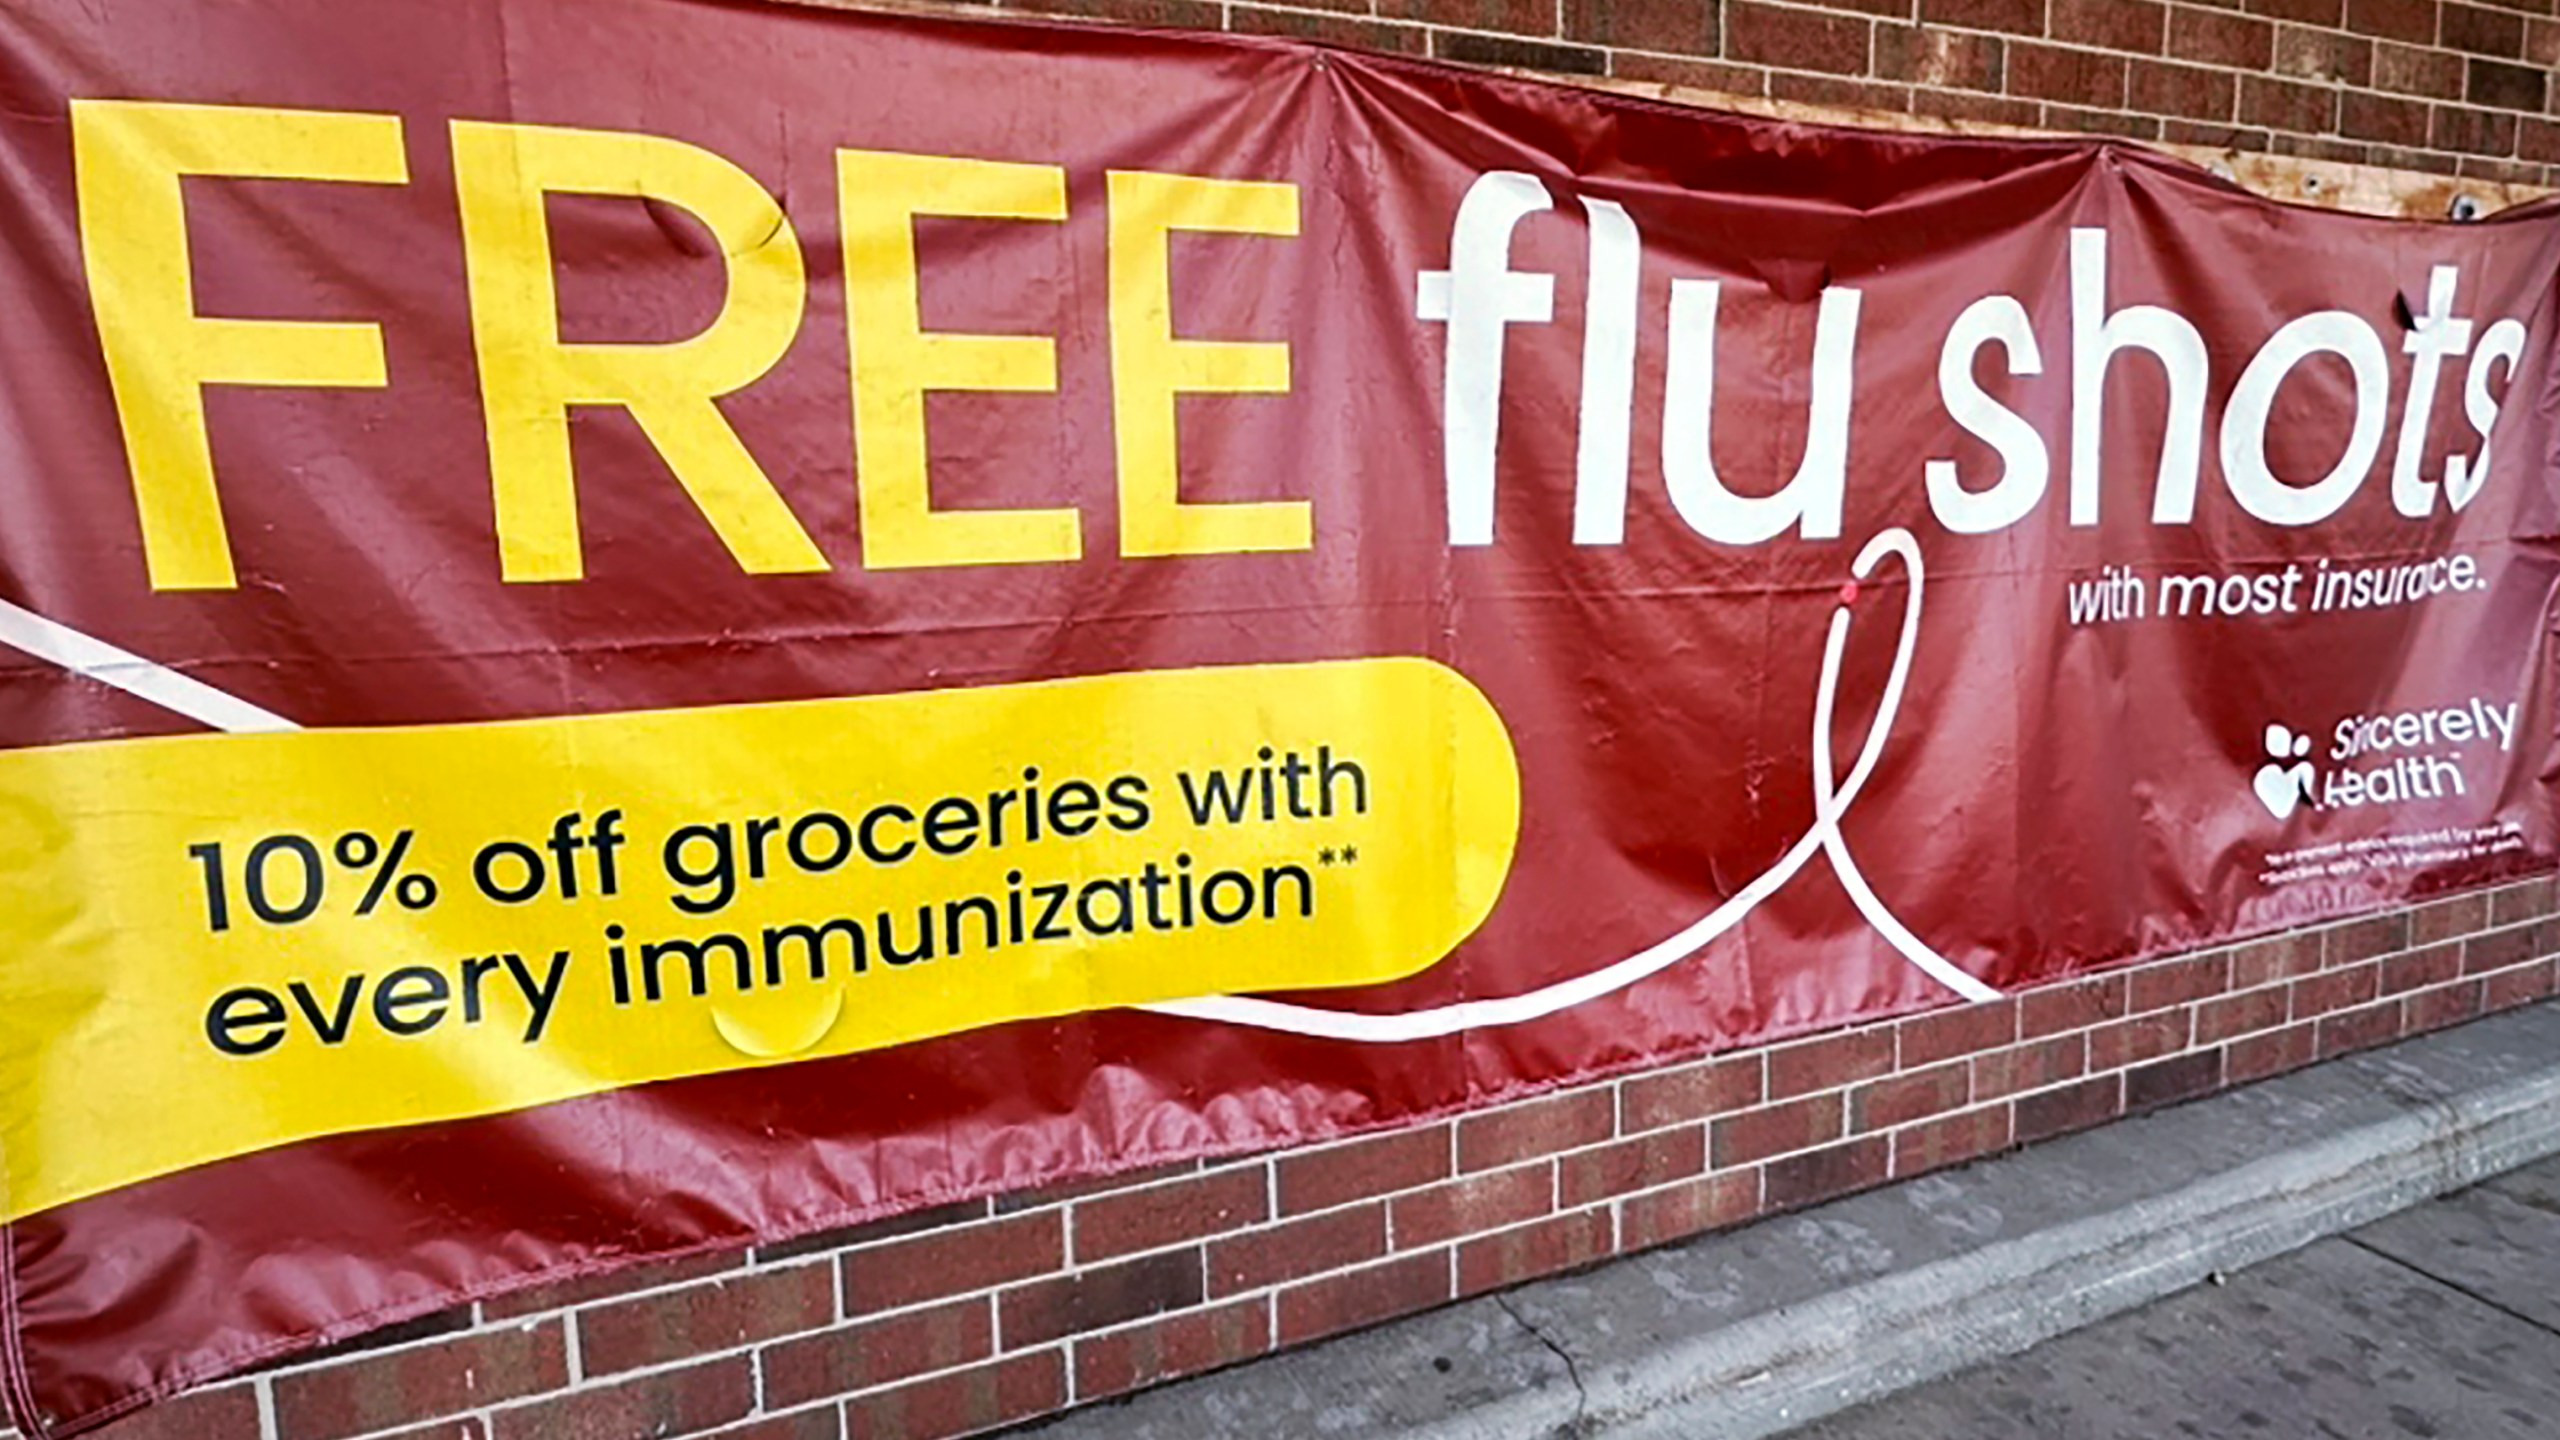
(631, 624)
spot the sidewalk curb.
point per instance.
(1869, 1295)
(1765, 1376)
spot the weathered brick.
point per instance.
(1838, 92)
(877, 1352)
(470, 1427)
(1062, 1305)
(2073, 1107)
(2031, 1066)
(2017, 17)
(1352, 31)
(1712, 76)
(1796, 39)
(1819, 1175)
(2477, 31)
(1477, 1203)
(1296, 1249)
(2530, 900)
(2075, 77)
(2323, 57)
(1124, 1223)
(2072, 1005)
(2070, 119)
(2410, 20)
(2497, 949)
(1679, 27)
(2309, 12)
(1641, 1163)
(2244, 1014)
(1958, 1030)
(2409, 70)
(2540, 42)
(1658, 1217)
(1540, 1127)
(2283, 105)
(2362, 1029)
(2166, 1082)
(1692, 1092)
(1979, 109)
(2274, 1053)
(2473, 132)
(1379, 1165)
(1830, 1062)
(962, 1402)
(1945, 59)
(1547, 1247)
(1518, 17)
(954, 1262)
(680, 1401)
(378, 1391)
(2520, 986)
(1755, 1135)
(2145, 1037)
(2217, 37)
(822, 1422)
(717, 1314)
(2503, 172)
(2380, 117)
(2450, 1005)
(1163, 14)
(2507, 87)
(2139, 27)
(2449, 919)
(2432, 965)
(2213, 135)
(1951, 1140)
(1171, 1348)
(2279, 957)
(2179, 982)
(1346, 1301)
(1519, 54)
(2337, 990)
(1901, 1099)
(2360, 940)
(2397, 157)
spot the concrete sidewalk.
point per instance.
(2440, 1321)
(1765, 1329)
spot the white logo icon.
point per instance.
(2285, 780)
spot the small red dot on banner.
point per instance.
(1849, 593)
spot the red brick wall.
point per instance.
(978, 1314)
(992, 1311)
(2432, 85)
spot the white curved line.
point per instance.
(86, 655)
(1829, 806)
(1835, 847)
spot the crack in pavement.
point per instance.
(2456, 1286)
(1572, 1371)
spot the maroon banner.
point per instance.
(636, 625)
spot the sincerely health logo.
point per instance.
(2381, 759)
